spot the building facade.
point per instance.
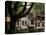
(26, 23)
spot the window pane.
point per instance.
(38, 24)
(25, 22)
(22, 22)
(32, 22)
(43, 18)
(43, 24)
(17, 22)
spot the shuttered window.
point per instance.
(32, 22)
(17, 22)
(38, 24)
(23, 23)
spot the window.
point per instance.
(32, 22)
(38, 17)
(25, 22)
(43, 24)
(17, 22)
(43, 18)
(22, 22)
(38, 24)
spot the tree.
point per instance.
(15, 16)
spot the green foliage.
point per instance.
(38, 9)
(18, 8)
